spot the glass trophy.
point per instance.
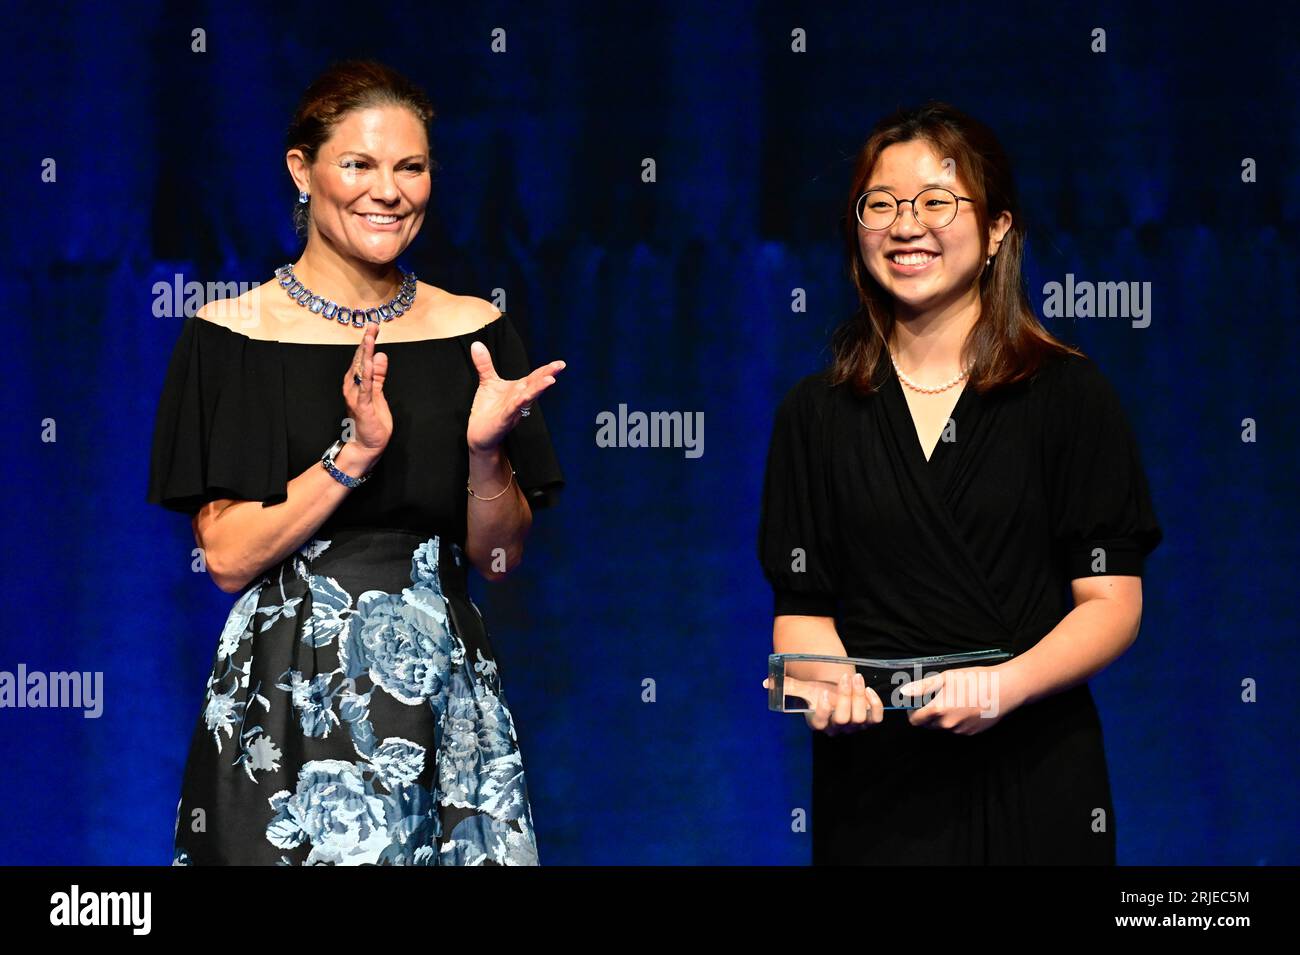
(796, 680)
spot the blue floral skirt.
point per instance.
(354, 716)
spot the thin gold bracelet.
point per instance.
(497, 494)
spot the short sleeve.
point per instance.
(795, 539)
(528, 445)
(220, 426)
(1103, 519)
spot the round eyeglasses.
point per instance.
(933, 208)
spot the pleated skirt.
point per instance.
(354, 715)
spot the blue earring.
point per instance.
(302, 197)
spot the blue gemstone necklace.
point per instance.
(357, 317)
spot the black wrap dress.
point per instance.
(354, 714)
(972, 549)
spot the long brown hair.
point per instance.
(1007, 343)
(345, 86)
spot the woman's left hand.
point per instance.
(498, 402)
(966, 700)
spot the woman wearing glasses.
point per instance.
(957, 480)
(354, 714)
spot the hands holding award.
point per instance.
(845, 694)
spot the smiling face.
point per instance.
(924, 268)
(370, 183)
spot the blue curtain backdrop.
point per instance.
(672, 295)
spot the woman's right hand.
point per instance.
(373, 422)
(855, 705)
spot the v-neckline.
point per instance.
(940, 446)
(935, 478)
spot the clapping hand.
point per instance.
(499, 403)
(363, 390)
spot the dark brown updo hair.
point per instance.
(348, 85)
(1007, 343)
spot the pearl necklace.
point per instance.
(921, 388)
(357, 317)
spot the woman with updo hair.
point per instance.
(348, 442)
